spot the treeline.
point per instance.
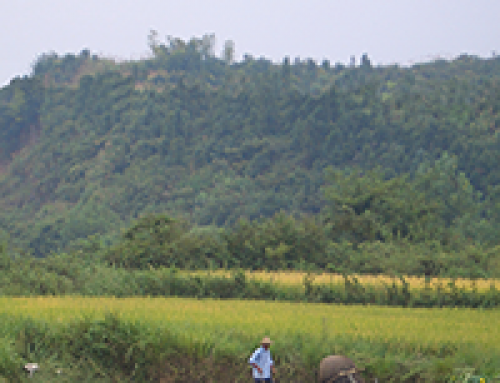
(370, 224)
(90, 145)
(68, 274)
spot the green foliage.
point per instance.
(65, 274)
(237, 152)
(10, 361)
(20, 109)
(92, 151)
(5, 258)
(148, 243)
(115, 349)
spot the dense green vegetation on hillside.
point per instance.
(263, 165)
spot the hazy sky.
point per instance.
(389, 31)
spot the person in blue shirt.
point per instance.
(262, 362)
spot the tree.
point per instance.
(147, 243)
(207, 46)
(228, 52)
(286, 71)
(367, 206)
(153, 41)
(365, 62)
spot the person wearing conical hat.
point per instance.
(262, 362)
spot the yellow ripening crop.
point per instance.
(294, 278)
(199, 319)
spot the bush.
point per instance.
(10, 362)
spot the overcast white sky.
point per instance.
(389, 31)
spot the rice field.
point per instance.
(240, 321)
(294, 278)
(392, 343)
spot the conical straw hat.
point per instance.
(266, 340)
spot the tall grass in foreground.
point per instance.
(135, 336)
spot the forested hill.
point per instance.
(87, 143)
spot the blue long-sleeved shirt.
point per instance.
(262, 358)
